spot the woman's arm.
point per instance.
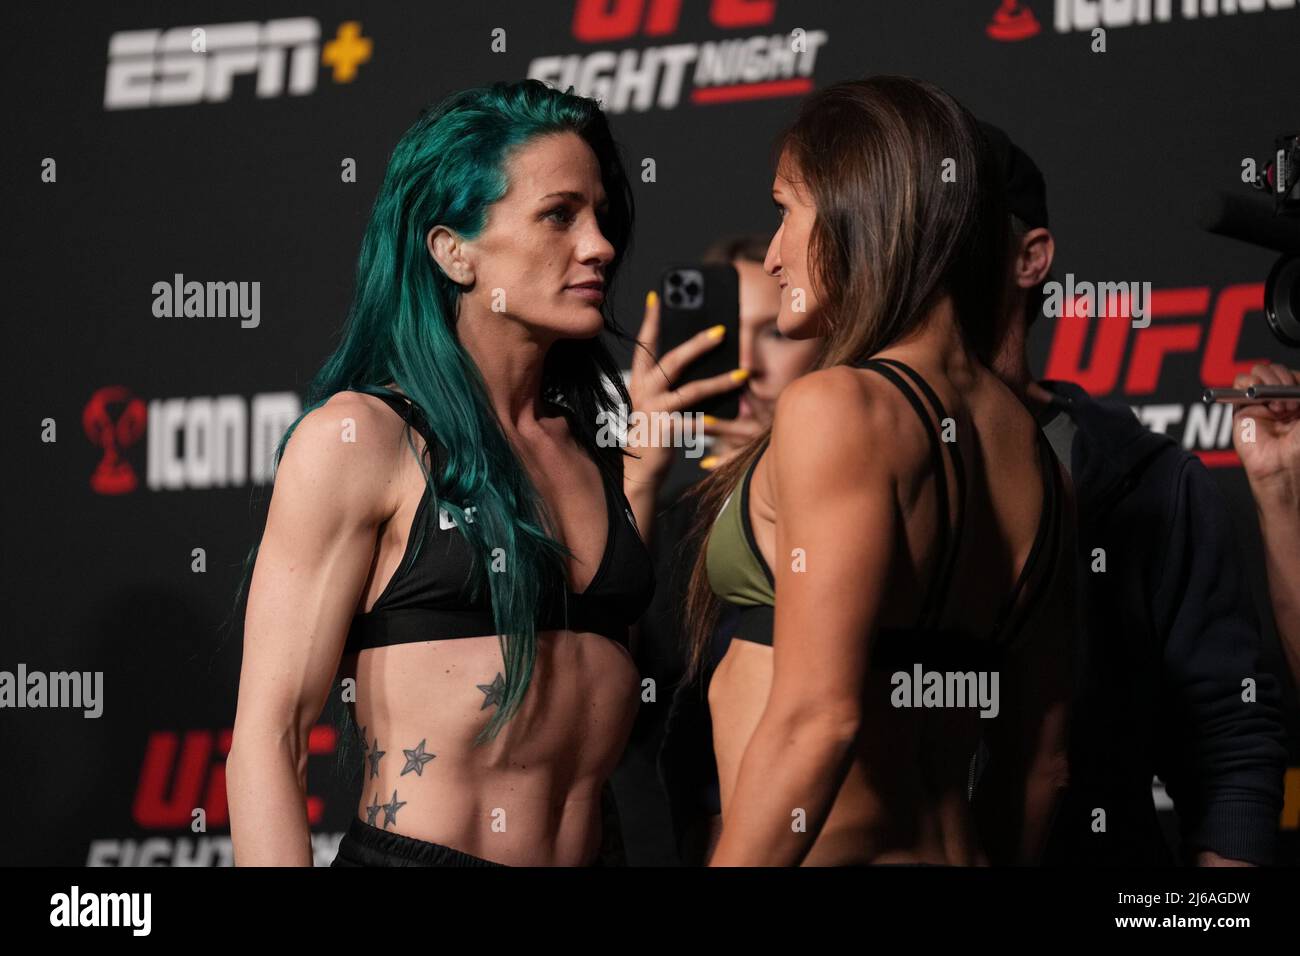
(836, 526)
(329, 499)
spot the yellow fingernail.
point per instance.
(709, 463)
(710, 420)
(717, 332)
(651, 298)
(740, 374)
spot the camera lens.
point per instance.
(1282, 300)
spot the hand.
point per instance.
(651, 388)
(733, 434)
(1272, 458)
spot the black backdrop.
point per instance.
(160, 169)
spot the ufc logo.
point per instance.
(1101, 375)
(599, 21)
(180, 775)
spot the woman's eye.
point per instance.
(559, 214)
(775, 333)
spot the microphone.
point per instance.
(1248, 218)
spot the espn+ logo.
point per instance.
(186, 65)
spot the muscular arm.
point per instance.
(329, 499)
(836, 504)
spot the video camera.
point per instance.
(1250, 219)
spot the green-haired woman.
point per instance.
(445, 527)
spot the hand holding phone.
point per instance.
(693, 299)
(659, 383)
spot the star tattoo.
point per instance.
(375, 754)
(390, 810)
(493, 693)
(372, 810)
(415, 760)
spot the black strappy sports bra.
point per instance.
(925, 642)
(428, 598)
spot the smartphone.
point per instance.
(693, 298)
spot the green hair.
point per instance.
(448, 169)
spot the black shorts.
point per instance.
(366, 845)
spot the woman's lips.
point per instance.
(589, 292)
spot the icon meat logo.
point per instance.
(1012, 21)
(201, 442)
(113, 420)
(760, 66)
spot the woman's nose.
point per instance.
(772, 261)
(594, 246)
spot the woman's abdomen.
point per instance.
(903, 798)
(531, 796)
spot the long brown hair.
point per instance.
(909, 209)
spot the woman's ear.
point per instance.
(1034, 259)
(448, 250)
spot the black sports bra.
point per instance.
(428, 598)
(926, 642)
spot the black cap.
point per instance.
(1026, 188)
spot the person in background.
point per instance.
(1172, 632)
(655, 814)
(1270, 454)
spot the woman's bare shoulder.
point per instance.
(353, 418)
(843, 415)
(349, 444)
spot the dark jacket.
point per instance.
(1172, 639)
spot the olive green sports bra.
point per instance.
(737, 570)
(741, 578)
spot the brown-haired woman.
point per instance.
(903, 517)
